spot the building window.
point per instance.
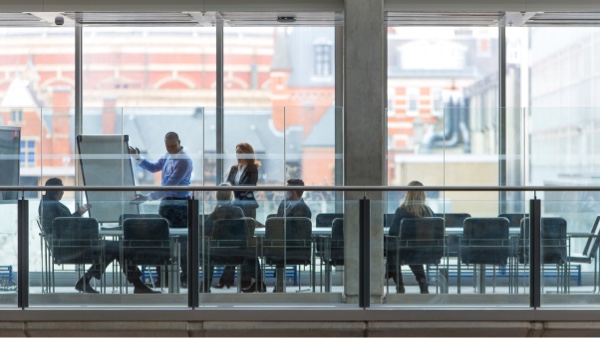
(412, 101)
(323, 60)
(17, 116)
(437, 102)
(27, 155)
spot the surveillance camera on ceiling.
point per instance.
(59, 20)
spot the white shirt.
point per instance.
(239, 174)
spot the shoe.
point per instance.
(143, 289)
(424, 288)
(400, 289)
(254, 288)
(223, 284)
(83, 285)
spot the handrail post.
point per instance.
(534, 253)
(23, 253)
(192, 254)
(364, 262)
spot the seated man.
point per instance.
(293, 205)
(51, 208)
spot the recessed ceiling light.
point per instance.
(286, 19)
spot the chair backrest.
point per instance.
(453, 220)
(75, 240)
(485, 241)
(421, 240)
(591, 245)
(514, 218)
(325, 220)
(146, 241)
(553, 237)
(296, 248)
(123, 217)
(271, 215)
(229, 241)
(337, 242)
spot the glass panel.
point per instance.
(472, 256)
(442, 120)
(306, 267)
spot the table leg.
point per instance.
(481, 279)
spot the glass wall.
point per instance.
(442, 112)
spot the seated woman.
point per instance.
(412, 207)
(51, 208)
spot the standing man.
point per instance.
(293, 205)
(176, 167)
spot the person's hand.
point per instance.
(84, 208)
(134, 152)
(139, 199)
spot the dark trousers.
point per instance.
(175, 210)
(111, 254)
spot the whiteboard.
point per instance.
(105, 161)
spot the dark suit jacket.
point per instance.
(300, 209)
(249, 177)
(50, 209)
(221, 212)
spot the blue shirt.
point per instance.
(176, 171)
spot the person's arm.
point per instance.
(182, 172)
(151, 167)
(280, 209)
(395, 226)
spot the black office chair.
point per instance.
(146, 241)
(485, 241)
(337, 242)
(76, 240)
(287, 242)
(553, 235)
(590, 251)
(324, 220)
(420, 241)
(228, 246)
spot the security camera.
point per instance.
(59, 20)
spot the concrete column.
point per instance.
(364, 134)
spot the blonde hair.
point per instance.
(224, 195)
(246, 148)
(414, 201)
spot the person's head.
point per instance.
(224, 195)
(54, 194)
(172, 143)
(415, 196)
(245, 154)
(414, 200)
(294, 195)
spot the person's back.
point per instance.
(222, 211)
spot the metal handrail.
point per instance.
(304, 188)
